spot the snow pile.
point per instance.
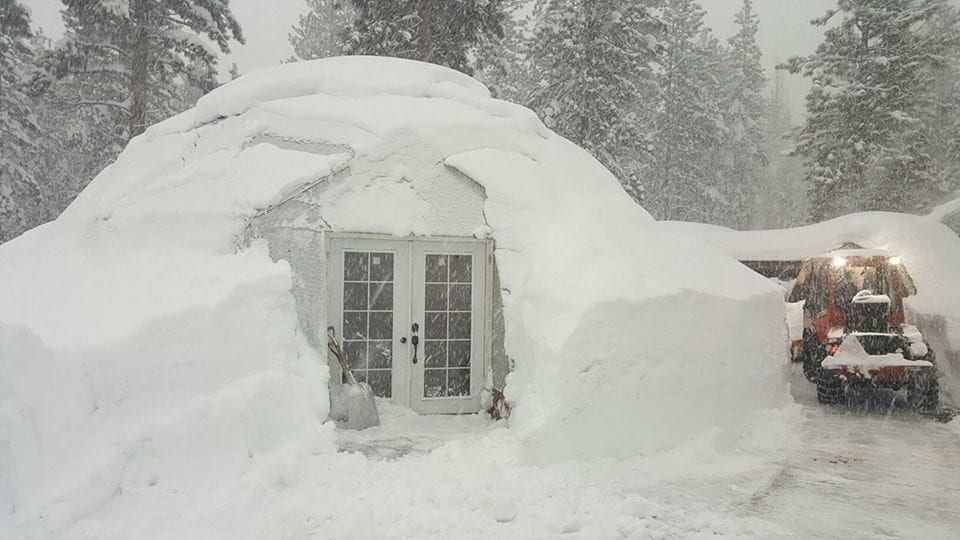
(140, 354)
(150, 367)
(622, 336)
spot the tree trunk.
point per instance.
(424, 39)
(139, 69)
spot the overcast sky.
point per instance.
(784, 29)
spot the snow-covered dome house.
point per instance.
(184, 298)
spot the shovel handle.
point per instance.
(334, 345)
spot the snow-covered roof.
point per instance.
(856, 252)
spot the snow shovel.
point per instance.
(354, 406)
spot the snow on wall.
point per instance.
(181, 361)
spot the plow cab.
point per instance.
(855, 331)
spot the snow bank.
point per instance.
(152, 366)
(622, 335)
(140, 352)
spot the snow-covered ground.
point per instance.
(874, 470)
(462, 477)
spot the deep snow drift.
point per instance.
(154, 371)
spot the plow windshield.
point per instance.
(817, 277)
(853, 279)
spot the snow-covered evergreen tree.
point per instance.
(136, 52)
(688, 129)
(501, 61)
(595, 84)
(121, 66)
(864, 141)
(782, 198)
(319, 32)
(744, 115)
(442, 32)
(942, 123)
(20, 195)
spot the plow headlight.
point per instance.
(894, 261)
(839, 262)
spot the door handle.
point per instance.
(415, 340)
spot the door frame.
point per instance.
(404, 248)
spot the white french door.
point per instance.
(410, 314)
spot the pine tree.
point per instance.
(136, 52)
(688, 128)
(744, 111)
(502, 60)
(20, 197)
(437, 31)
(319, 32)
(593, 58)
(120, 67)
(941, 125)
(782, 200)
(863, 140)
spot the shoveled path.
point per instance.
(870, 470)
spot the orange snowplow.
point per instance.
(855, 331)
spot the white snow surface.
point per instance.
(154, 380)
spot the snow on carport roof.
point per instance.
(872, 230)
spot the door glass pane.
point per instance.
(460, 297)
(458, 382)
(436, 325)
(356, 354)
(380, 355)
(380, 380)
(436, 299)
(437, 269)
(435, 354)
(459, 326)
(381, 267)
(381, 296)
(459, 355)
(461, 268)
(355, 324)
(448, 328)
(354, 296)
(381, 325)
(368, 317)
(434, 383)
(355, 267)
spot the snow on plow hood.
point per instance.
(141, 346)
